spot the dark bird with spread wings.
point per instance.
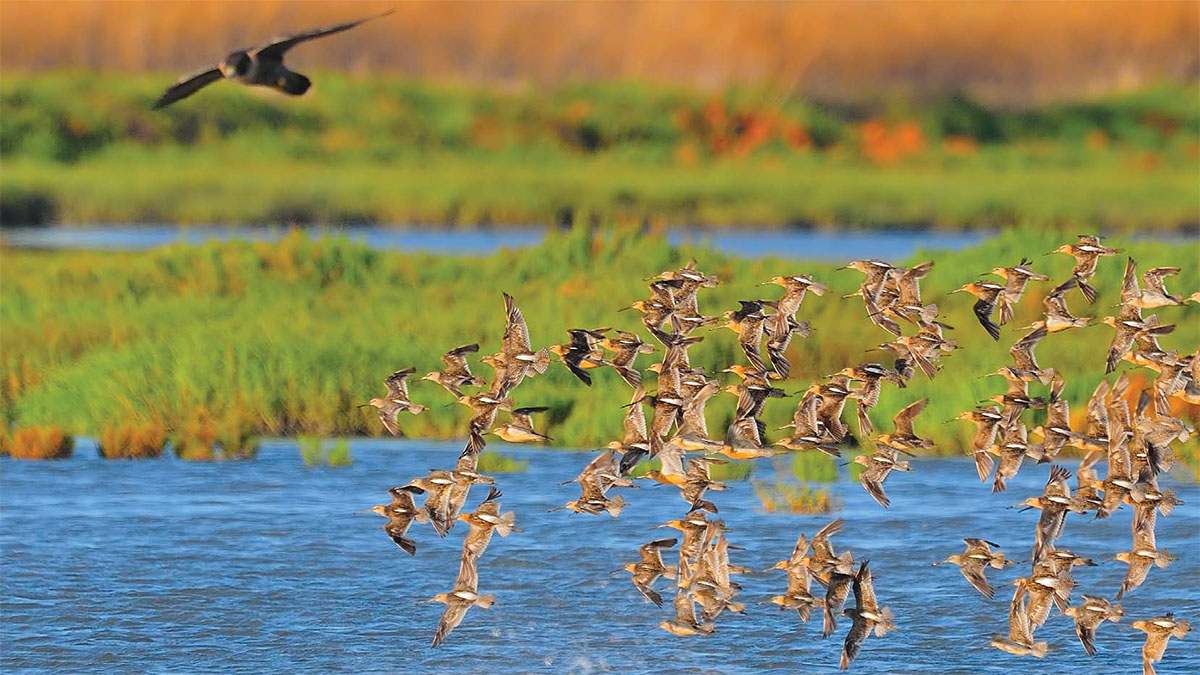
(261, 66)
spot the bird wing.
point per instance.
(903, 421)
(516, 332)
(801, 549)
(1087, 635)
(1057, 485)
(872, 480)
(455, 611)
(188, 85)
(455, 360)
(1129, 285)
(1155, 647)
(860, 628)
(671, 456)
(388, 415)
(468, 575)
(1022, 351)
(833, 527)
(397, 385)
(524, 416)
(635, 420)
(1019, 630)
(972, 569)
(983, 312)
(1055, 301)
(1154, 278)
(864, 590)
(276, 47)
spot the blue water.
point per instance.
(264, 566)
(746, 243)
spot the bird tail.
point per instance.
(615, 505)
(485, 601)
(887, 622)
(1164, 558)
(507, 524)
(830, 624)
(1039, 649)
(294, 83)
(541, 361)
(1000, 483)
(1168, 502)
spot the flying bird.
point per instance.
(261, 66)
(389, 407)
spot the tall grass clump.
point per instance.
(786, 497)
(317, 452)
(40, 442)
(132, 440)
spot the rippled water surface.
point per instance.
(742, 242)
(263, 565)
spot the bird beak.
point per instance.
(624, 309)
(366, 511)
(364, 405)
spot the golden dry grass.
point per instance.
(38, 443)
(781, 497)
(1000, 50)
(132, 440)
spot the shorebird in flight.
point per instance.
(389, 407)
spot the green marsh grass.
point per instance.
(494, 462)
(229, 341)
(316, 451)
(131, 439)
(608, 152)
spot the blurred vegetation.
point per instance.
(496, 462)
(316, 451)
(43, 442)
(1009, 52)
(82, 147)
(785, 497)
(128, 439)
(229, 341)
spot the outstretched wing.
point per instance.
(903, 421)
(278, 46)
(983, 312)
(186, 86)
(455, 611)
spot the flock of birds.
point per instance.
(1134, 442)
